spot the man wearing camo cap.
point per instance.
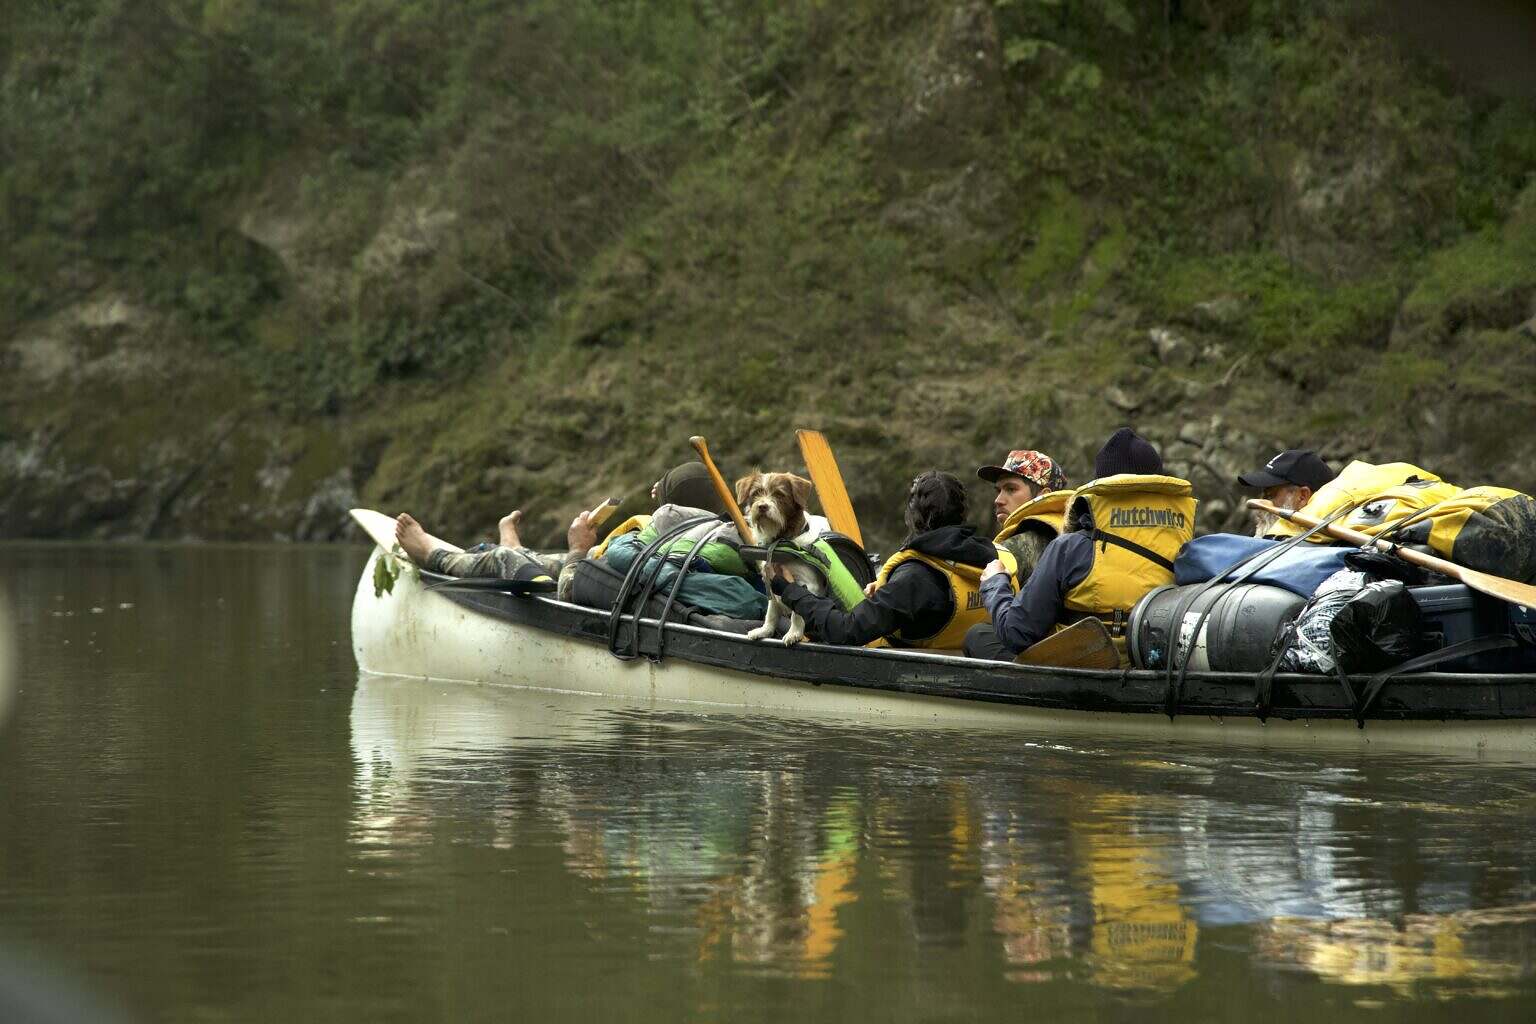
(1030, 502)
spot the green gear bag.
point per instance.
(721, 557)
(845, 590)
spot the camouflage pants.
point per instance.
(491, 560)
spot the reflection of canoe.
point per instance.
(400, 724)
(1483, 951)
(399, 628)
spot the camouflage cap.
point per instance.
(1036, 467)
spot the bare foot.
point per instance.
(415, 541)
(507, 529)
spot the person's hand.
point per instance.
(655, 489)
(776, 577)
(870, 588)
(994, 568)
(582, 535)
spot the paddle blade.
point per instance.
(1084, 644)
(822, 466)
(603, 513)
(1522, 594)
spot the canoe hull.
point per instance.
(405, 630)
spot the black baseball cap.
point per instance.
(1297, 466)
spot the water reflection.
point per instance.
(1142, 936)
(7, 653)
(796, 849)
(1478, 951)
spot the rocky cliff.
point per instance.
(266, 261)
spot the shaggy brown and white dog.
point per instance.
(773, 504)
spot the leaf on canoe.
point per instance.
(384, 575)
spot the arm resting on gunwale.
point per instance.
(914, 595)
(1029, 616)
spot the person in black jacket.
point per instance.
(915, 601)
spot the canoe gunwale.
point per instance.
(1429, 696)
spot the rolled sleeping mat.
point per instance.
(1238, 635)
(852, 556)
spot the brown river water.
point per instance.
(206, 815)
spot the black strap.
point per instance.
(677, 586)
(1132, 546)
(1343, 678)
(1264, 682)
(1115, 621)
(626, 588)
(1467, 648)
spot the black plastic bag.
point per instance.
(1377, 628)
(1379, 565)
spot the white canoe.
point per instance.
(400, 628)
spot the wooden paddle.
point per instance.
(726, 497)
(817, 454)
(603, 513)
(1483, 582)
(1084, 644)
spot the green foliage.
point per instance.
(1051, 40)
(1283, 307)
(1072, 255)
(1487, 279)
(619, 215)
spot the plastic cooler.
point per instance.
(1457, 612)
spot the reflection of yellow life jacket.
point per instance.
(1044, 513)
(1142, 937)
(629, 525)
(1139, 524)
(1357, 483)
(964, 594)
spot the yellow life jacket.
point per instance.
(630, 525)
(965, 599)
(1045, 512)
(1451, 519)
(1139, 524)
(1491, 529)
(1357, 483)
(1383, 512)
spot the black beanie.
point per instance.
(1127, 452)
(689, 485)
